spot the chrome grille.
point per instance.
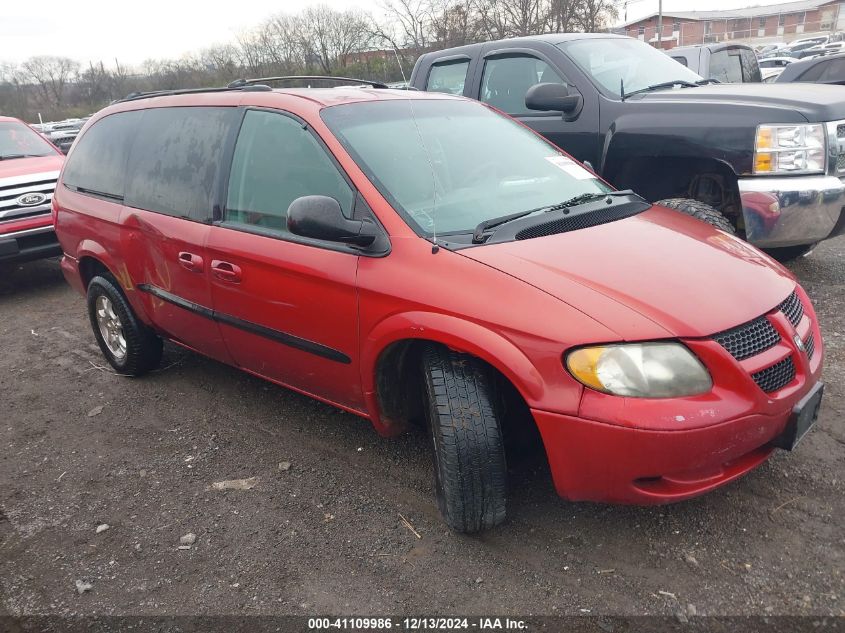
(775, 377)
(792, 309)
(839, 147)
(13, 188)
(749, 339)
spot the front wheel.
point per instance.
(128, 345)
(700, 211)
(469, 453)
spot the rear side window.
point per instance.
(97, 164)
(734, 65)
(815, 73)
(277, 161)
(726, 66)
(448, 77)
(681, 60)
(175, 159)
(507, 79)
(833, 71)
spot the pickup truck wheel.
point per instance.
(131, 347)
(699, 210)
(788, 253)
(469, 454)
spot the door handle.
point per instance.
(226, 271)
(191, 262)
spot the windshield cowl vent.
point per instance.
(581, 221)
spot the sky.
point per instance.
(105, 30)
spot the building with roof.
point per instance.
(754, 25)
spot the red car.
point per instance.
(417, 257)
(29, 166)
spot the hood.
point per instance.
(680, 274)
(814, 102)
(35, 165)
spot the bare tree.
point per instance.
(331, 37)
(51, 75)
(593, 15)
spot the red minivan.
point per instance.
(29, 166)
(421, 258)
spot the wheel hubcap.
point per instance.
(111, 329)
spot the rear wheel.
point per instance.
(469, 453)
(700, 211)
(128, 345)
(788, 253)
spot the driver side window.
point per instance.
(507, 79)
(277, 161)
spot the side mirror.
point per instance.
(320, 218)
(552, 97)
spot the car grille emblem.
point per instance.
(799, 344)
(31, 199)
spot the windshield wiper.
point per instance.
(481, 231)
(661, 86)
(704, 82)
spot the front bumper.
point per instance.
(29, 244)
(596, 461)
(792, 210)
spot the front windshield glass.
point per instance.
(17, 139)
(610, 62)
(447, 165)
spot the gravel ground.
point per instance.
(81, 447)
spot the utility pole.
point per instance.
(659, 24)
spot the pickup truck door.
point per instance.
(504, 75)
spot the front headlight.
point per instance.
(640, 370)
(781, 149)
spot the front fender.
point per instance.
(459, 334)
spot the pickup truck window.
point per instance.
(609, 62)
(726, 66)
(446, 165)
(276, 161)
(448, 77)
(681, 60)
(507, 79)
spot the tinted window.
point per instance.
(448, 77)
(814, 73)
(276, 161)
(507, 79)
(834, 71)
(17, 139)
(174, 160)
(97, 163)
(681, 60)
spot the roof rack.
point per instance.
(133, 96)
(240, 83)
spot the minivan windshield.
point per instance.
(613, 62)
(447, 165)
(20, 141)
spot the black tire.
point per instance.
(700, 211)
(143, 347)
(469, 453)
(788, 253)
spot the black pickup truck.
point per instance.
(763, 160)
